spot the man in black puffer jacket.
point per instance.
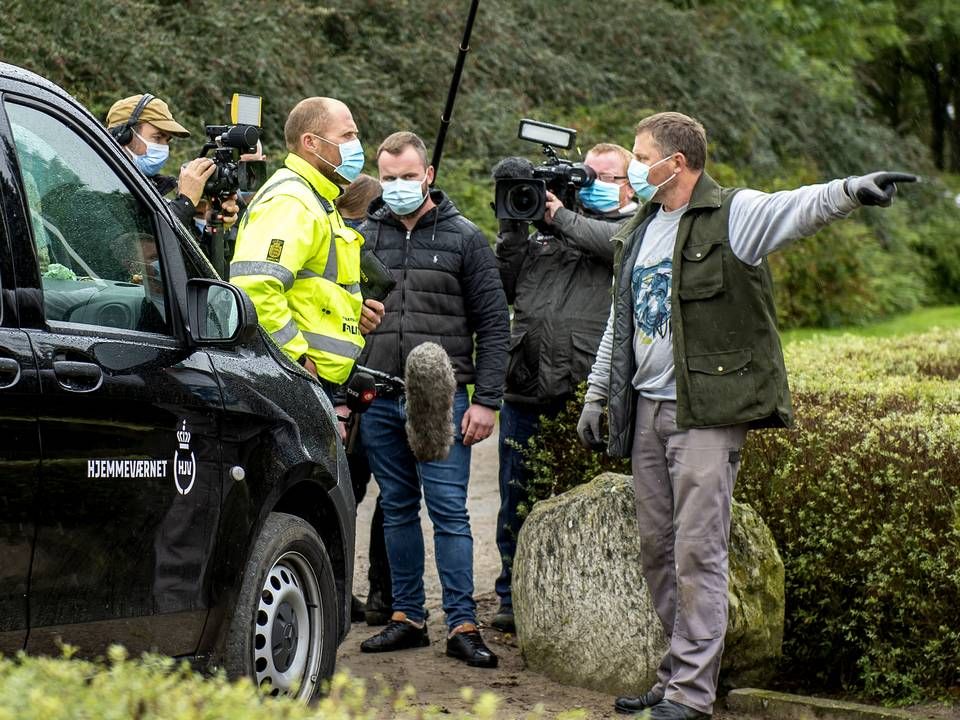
(449, 292)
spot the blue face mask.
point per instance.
(351, 159)
(600, 196)
(403, 196)
(151, 162)
(637, 173)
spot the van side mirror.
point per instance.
(219, 314)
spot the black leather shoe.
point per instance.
(397, 635)
(357, 611)
(468, 646)
(669, 710)
(630, 705)
(503, 621)
(378, 608)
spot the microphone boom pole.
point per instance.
(454, 86)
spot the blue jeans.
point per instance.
(518, 423)
(444, 484)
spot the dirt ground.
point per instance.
(437, 678)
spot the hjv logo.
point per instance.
(184, 463)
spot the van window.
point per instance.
(94, 239)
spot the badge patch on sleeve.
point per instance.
(275, 250)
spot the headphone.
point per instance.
(123, 134)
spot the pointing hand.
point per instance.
(876, 188)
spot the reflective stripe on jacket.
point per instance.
(300, 265)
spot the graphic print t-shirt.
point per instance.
(651, 284)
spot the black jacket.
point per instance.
(559, 286)
(181, 206)
(448, 290)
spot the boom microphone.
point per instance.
(512, 167)
(430, 385)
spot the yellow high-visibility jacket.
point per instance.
(300, 264)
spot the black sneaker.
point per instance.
(629, 705)
(468, 645)
(669, 710)
(503, 620)
(399, 634)
(378, 609)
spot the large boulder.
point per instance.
(583, 612)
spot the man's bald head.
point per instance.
(313, 115)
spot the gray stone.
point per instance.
(584, 616)
(781, 706)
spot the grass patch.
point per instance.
(945, 317)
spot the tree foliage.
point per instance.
(779, 86)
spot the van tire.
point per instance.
(283, 634)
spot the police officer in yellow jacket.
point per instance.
(296, 258)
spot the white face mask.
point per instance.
(351, 158)
(404, 197)
(637, 173)
(151, 162)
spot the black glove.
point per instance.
(876, 188)
(588, 427)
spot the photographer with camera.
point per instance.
(143, 126)
(557, 277)
(296, 258)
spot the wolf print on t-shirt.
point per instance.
(651, 300)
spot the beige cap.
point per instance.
(156, 113)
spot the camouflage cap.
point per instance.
(156, 113)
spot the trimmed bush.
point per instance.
(863, 499)
(557, 460)
(160, 688)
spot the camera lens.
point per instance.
(522, 200)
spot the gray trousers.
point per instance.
(683, 482)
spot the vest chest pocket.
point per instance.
(701, 270)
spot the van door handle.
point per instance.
(78, 376)
(9, 373)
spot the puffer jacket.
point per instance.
(559, 285)
(448, 291)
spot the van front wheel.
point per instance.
(283, 634)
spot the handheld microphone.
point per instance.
(361, 392)
(430, 386)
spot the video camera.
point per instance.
(521, 188)
(231, 175)
(228, 142)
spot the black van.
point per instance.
(169, 480)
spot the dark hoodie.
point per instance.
(448, 290)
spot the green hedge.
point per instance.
(160, 688)
(863, 499)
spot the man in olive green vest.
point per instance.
(690, 360)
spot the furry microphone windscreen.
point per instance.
(512, 167)
(430, 385)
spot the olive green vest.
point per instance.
(729, 363)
